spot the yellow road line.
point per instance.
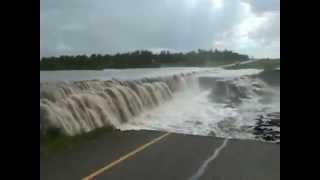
(110, 165)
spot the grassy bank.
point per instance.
(265, 64)
(269, 75)
(54, 142)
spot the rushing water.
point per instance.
(201, 101)
(120, 74)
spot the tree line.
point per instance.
(140, 59)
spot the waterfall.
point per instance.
(82, 106)
(234, 90)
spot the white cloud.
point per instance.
(72, 27)
(256, 34)
(261, 6)
(124, 25)
(62, 47)
(217, 4)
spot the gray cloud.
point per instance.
(99, 26)
(261, 6)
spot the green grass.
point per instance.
(262, 64)
(54, 142)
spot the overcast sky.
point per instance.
(110, 26)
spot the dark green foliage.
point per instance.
(141, 59)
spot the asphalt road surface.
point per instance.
(152, 155)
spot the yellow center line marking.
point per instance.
(114, 163)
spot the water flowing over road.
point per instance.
(220, 105)
(199, 101)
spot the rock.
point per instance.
(268, 127)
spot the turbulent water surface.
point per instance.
(201, 101)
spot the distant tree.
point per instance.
(141, 58)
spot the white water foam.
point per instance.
(192, 112)
(159, 104)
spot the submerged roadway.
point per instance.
(152, 155)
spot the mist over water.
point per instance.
(225, 109)
(209, 101)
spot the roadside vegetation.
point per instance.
(142, 59)
(269, 75)
(266, 64)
